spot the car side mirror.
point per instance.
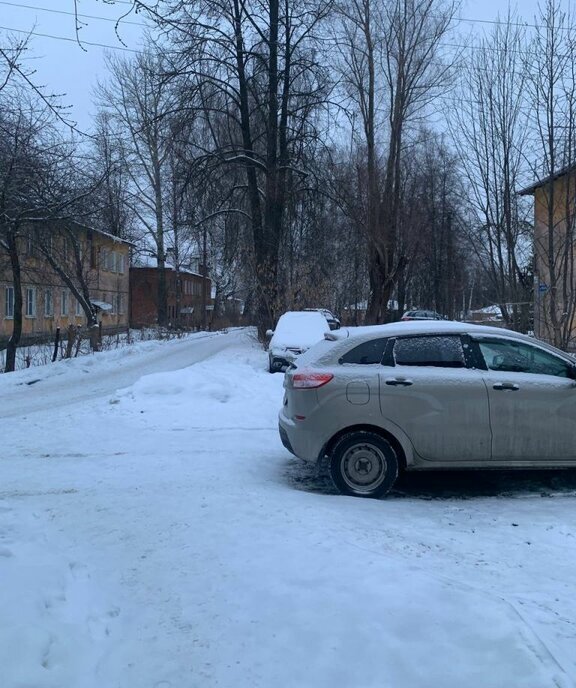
(269, 333)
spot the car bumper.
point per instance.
(298, 440)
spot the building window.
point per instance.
(9, 305)
(48, 304)
(31, 302)
(104, 258)
(79, 310)
(120, 263)
(120, 304)
(64, 303)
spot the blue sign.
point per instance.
(542, 288)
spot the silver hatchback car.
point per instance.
(428, 395)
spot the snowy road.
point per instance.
(88, 377)
(161, 537)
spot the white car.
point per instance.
(295, 332)
(332, 320)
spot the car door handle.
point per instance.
(399, 381)
(503, 386)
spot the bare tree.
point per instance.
(392, 70)
(491, 128)
(256, 64)
(137, 99)
(112, 202)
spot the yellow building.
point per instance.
(555, 257)
(97, 258)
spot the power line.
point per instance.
(463, 20)
(132, 50)
(70, 14)
(69, 40)
(506, 23)
(126, 49)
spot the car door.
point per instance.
(532, 396)
(429, 388)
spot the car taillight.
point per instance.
(310, 380)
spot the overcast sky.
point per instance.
(64, 68)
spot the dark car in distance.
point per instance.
(422, 315)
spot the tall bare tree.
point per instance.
(491, 126)
(137, 100)
(393, 69)
(256, 64)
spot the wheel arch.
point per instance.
(403, 448)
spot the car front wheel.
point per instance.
(363, 464)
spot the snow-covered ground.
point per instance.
(154, 533)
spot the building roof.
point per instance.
(529, 190)
(169, 268)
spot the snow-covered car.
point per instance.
(429, 395)
(332, 319)
(295, 332)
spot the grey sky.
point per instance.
(64, 68)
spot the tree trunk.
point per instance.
(14, 340)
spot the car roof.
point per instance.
(415, 327)
(400, 328)
(342, 340)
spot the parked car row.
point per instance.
(296, 331)
(428, 395)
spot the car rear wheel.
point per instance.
(363, 464)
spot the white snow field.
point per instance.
(154, 533)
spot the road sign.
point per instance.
(542, 288)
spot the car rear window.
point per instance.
(436, 350)
(366, 353)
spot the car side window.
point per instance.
(516, 357)
(366, 353)
(443, 351)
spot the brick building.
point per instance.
(188, 293)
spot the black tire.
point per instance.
(271, 367)
(363, 464)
